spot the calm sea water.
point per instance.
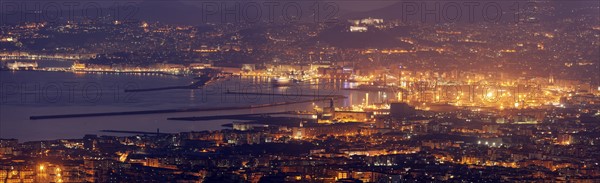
(30, 93)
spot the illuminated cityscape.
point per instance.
(299, 91)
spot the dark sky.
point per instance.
(192, 11)
(365, 5)
(353, 5)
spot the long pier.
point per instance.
(164, 111)
(283, 94)
(159, 89)
(133, 132)
(235, 116)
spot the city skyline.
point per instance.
(299, 91)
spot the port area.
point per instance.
(163, 111)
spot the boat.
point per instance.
(281, 81)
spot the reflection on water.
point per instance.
(28, 93)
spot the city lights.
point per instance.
(300, 91)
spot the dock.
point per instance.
(165, 111)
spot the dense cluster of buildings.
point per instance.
(565, 47)
(402, 144)
(476, 102)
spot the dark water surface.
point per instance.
(30, 93)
